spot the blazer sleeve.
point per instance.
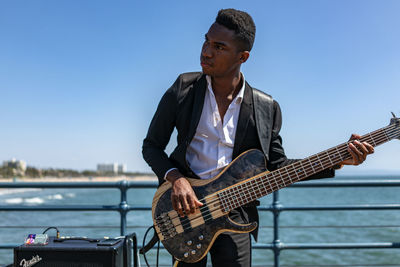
(159, 134)
(277, 157)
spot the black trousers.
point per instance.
(229, 249)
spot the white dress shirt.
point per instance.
(211, 147)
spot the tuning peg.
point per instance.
(394, 116)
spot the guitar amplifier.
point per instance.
(78, 253)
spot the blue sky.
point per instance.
(80, 80)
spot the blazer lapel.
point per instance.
(246, 110)
(198, 103)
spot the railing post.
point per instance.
(276, 209)
(123, 206)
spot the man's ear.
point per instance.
(244, 55)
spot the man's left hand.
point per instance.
(358, 151)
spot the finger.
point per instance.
(354, 137)
(361, 148)
(185, 205)
(174, 201)
(192, 204)
(178, 206)
(198, 203)
(369, 147)
(353, 152)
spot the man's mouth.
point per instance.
(205, 64)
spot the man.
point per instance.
(218, 115)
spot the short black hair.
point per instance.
(240, 22)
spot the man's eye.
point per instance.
(219, 47)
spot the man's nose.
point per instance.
(206, 51)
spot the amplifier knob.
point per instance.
(189, 242)
(198, 246)
(193, 251)
(186, 255)
(201, 237)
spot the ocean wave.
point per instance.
(17, 190)
(56, 196)
(17, 200)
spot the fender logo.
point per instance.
(31, 262)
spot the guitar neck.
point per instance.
(268, 182)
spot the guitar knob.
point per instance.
(201, 237)
(186, 255)
(193, 251)
(189, 242)
(198, 246)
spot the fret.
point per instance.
(384, 131)
(270, 186)
(223, 200)
(326, 152)
(238, 196)
(315, 163)
(259, 194)
(320, 162)
(230, 204)
(280, 174)
(272, 179)
(303, 169)
(240, 193)
(295, 171)
(262, 182)
(286, 169)
(283, 181)
(311, 165)
(338, 152)
(372, 139)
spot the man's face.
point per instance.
(220, 55)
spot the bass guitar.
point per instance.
(244, 180)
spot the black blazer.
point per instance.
(258, 127)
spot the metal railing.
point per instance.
(276, 208)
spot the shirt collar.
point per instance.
(239, 97)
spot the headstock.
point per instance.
(396, 122)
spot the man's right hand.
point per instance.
(183, 197)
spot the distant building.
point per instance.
(114, 168)
(15, 164)
(122, 168)
(18, 166)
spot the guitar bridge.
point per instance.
(165, 226)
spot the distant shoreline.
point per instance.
(83, 179)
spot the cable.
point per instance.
(52, 227)
(143, 245)
(158, 252)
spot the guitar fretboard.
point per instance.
(268, 182)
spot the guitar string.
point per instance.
(259, 189)
(258, 180)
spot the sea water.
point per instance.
(296, 226)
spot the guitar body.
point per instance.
(189, 238)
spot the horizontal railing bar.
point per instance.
(72, 208)
(154, 184)
(347, 183)
(332, 207)
(366, 245)
(61, 208)
(143, 226)
(147, 208)
(118, 184)
(283, 246)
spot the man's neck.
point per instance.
(227, 87)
